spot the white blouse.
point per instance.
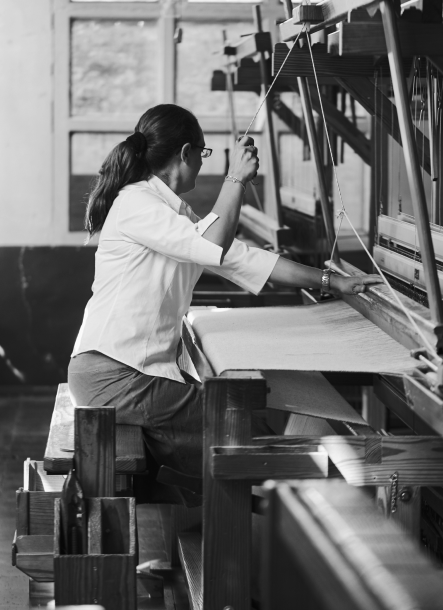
(150, 255)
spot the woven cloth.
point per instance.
(326, 337)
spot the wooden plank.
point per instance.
(299, 63)
(418, 460)
(109, 579)
(190, 551)
(256, 463)
(41, 512)
(95, 450)
(116, 526)
(22, 512)
(312, 522)
(31, 545)
(95, 526)
(59, 450)
(227, 504)
(38, 566)
(369, 39)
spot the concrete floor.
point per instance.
(24, 425)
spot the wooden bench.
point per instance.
(58, 459)
(325, 546)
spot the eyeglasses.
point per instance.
(206, 152)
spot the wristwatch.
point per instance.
(326, 281)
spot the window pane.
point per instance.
(113, 66)
(199, 54)
(88, 151)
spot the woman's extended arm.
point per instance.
(243, 167)
(288, 273)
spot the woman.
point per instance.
(152, 250)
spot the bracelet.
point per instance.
(232, 179)
(326, 281)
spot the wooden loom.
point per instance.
(397, 466)
(308, 218)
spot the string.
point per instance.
(343, 214)
(273, 82)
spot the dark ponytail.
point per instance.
(166, 128)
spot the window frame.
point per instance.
(166, 14)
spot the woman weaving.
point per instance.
(152, 250)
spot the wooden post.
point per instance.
(315, 148)
(95, 450)
(227, 504)
(412, 162)
(433, 141)
(273, 171)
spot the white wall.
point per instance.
(25, 123)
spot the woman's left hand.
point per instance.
(353, 285)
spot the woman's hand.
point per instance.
(354, 284)
(244, 161)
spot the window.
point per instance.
(114, 59)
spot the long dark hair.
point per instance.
(167, 128)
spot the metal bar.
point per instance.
(315, 148)
(274, 174)
(412, 161)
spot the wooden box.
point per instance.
(107, 574)
(33, 545)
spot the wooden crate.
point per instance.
(107, 574)
(33, 544)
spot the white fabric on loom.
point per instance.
(325, 337)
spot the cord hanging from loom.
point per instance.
(342, 213)
(273, 82)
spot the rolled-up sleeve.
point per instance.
(246, 266)
(146, 219)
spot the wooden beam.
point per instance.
(363, 91)
(228, 403)
(372, 461)
(343, 127)
(258, 42)
(275, 207)
(368, 39)
(315, 149)
(333, 12)
(255, 463)
(299, 63)
(412, 161)
(286, 115)
(259, 224)
(426, 404)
